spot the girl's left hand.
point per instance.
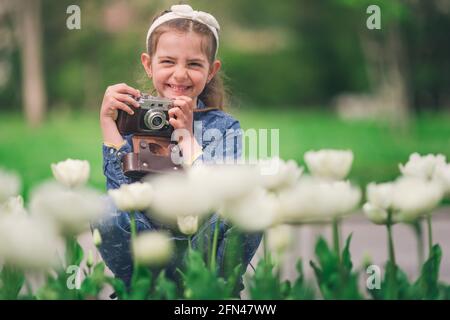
(181, 114)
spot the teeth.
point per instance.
(178, 87)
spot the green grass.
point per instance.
(378, 147)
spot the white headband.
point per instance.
(185, 11)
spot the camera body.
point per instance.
(150, 119)
(153, 149)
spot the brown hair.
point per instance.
(214, 94)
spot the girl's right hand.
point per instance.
(117, 97)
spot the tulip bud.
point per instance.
(188, 224)
(71, 173)
(284, 174)
(134, 196)
(329, 164)
(152, 248)
(97, 238)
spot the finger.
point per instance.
(127, 99)
(176, 124)
(185, 98)
(175, 112)
(124, 88)
(123, 106)
(183, 105)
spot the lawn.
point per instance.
(378, 147)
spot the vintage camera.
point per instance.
(150, 119)
(153, 150)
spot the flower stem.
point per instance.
(430, 235)
(393, 278)
(190, 243)
(337, 247)
(266, 247)
(133, 232)
(417, 225)
(390, 241)
(214, 245)
(132, 225)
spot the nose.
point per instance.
(180, 72)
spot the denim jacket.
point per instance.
(217, 132)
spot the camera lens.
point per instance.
(155, 119)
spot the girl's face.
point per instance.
(179, 67)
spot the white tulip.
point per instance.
(153, 248)
(442, 175)
(285, 176)
(279, 238)
(175, 195)
(9, 184)
(422, 166)
(133, 196)
(329, 163)
(375, 214)
(317, 200)
(28, 243)
(71, 173)
(187, 224)
(413, 197)
(70, 210)
(253, 212)
(380, 195)
(225, 182)
(14, 205)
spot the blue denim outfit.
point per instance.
(114, 227)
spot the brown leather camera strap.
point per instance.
(204, 109)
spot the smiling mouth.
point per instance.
(178, 88)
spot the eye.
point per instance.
(195, 64)
(167, 62)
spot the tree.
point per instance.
(29, 26)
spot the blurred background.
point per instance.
(312, 69)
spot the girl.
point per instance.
(181, 62)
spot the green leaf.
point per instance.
(265, 283)
(427, 285)
(74, 252)
(12, 280)
(119, 287)
(301, 290)
(334, 274)
(202, 283)
(164, 288)
(140, 283)
(346, 257)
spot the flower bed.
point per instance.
(264, 200)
